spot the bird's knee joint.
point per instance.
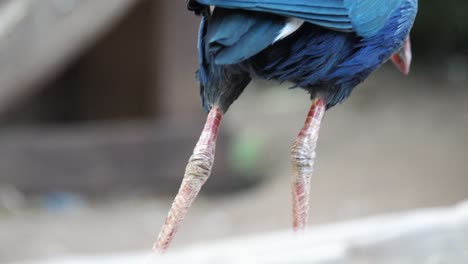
(199, 166)
(302, 155)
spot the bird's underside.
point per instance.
(323, 52)
(236, 46)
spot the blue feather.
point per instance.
(238, 42)
(364, 17)
(234, 36)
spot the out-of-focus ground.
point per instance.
(90, 156)
(388, 154)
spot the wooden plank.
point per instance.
(175, 60)
(107, 158)
(37, 38)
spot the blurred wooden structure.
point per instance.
(105, 59)
(40, 38)
(66, 62)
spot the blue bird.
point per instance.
(326, 47)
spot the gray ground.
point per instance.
(393, 146)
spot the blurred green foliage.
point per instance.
(441, 30)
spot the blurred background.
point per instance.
(99, 112)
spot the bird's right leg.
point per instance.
(302, 157)
(196, 173)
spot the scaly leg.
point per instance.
(302, 157)
(196, 173)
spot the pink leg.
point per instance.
(196, 173)
(302, 157)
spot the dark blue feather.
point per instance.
(329, 63)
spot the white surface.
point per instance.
(427, 236)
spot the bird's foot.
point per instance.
(302, 157)
(197, 172)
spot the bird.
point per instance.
(325, 47)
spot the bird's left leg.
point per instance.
(302, 157)
(196, 173)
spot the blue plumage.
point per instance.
(365, 17)
(338, 46)
(237, 36)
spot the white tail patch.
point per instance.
(291, 26)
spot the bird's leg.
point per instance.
(196, 173)
(302, 157)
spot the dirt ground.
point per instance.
(397, 144)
